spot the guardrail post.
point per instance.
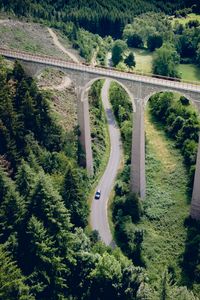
(138, 181)
(84, 126)
(195, 204)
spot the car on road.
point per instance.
(97, 195)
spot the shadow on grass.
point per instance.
(190, 265)
(160, 127)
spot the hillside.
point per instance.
(49, 248)
(94, 16)
(30, 37)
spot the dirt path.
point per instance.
(66, 82)
(94, 58)
(4, 21)
(109, 60)
(61, 47)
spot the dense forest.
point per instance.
(44, 246)
(92, 15)
(47, 249)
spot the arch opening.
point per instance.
(89, 84)
(146, 99)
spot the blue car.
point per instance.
(97, 195)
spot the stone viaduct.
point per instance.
(139, 88)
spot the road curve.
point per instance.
(99, 218)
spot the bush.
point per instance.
(184, 100)
(135, 40)
(154, 41)
(180, 122)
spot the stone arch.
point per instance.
(186, 95)
(84, 118)
(89, 84)
(137, 179)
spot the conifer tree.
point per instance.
(25, 179)
(74, 198)
(130, 60)
(47, 205)
(18, 71)
(49, 272)
(164, 289)
(12, 282)
(12, 207)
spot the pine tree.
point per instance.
(18, 71)
(12, 283)
(164, 290)
(130, 60)
(48, 207)
(49, 272)
(12, 207)
(74, 198)
(46, 243)
(25, 179)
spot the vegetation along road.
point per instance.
(99, 219)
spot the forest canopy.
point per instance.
(93, 15)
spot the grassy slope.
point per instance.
(27, 36)
(166, 204)
(143, 60)
(63, 103)
(35, 38)
(189, 72)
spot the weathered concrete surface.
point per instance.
(138, 182)
(195, 204)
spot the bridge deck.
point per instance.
(99, 71)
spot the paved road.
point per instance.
(99, 219)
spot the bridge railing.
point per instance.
(140, 76)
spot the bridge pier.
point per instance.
(138, 181)
(84, 126)
(195, 204)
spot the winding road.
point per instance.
(99, 218)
